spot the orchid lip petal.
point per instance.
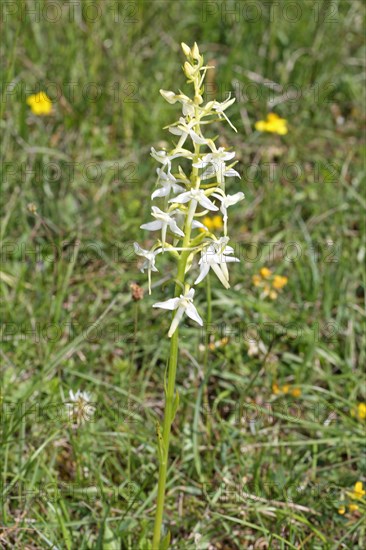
(205, 268)
(176, 320)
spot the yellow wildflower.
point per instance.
(353, 507)
(279, 282)
(358, 491)
(361, 411)
(212, 223)
(40, 104)
(207, 221)
(256, 280)
(342, 510)
(273, 124)
(273, 294)
(265, 272)
(285, 389)
(217, 222)
(269, 283)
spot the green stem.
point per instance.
(208, 320)
(170, 390)
(205, 359)
(169, 399)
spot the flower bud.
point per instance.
(188, 70)
(195, 52)
(169, 96)
(186, 49)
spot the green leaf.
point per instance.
(110, 542)
(164, 545)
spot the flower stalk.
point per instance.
(186, 201)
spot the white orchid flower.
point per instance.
(215, 165)
(163, 221)
(183, 304)
(165, 159)
(172, 98)
(149, 264)
(184, 130)
(226, 201)
(216, 256)
(221, 173)
(188, 106)
(221, 107)
(168, 183)
(196, 195)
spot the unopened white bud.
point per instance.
(195, 52)
(169, 96)
(188, 70)
(186, 49)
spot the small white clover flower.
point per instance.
(163, 221)
(196, 195)
(149, 264)
(215, 256)
(80, 408)
(183, 304)
(226, 201)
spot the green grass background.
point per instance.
(260, 470)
